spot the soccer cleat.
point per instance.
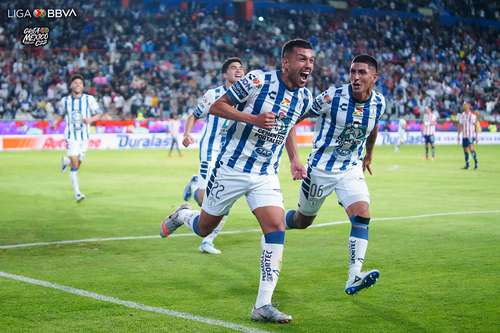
(361, 281)
(79, 197)
(207, 247)
(171, 223)
(475, 166)
(466, 167)
(187, 189)
(64, 164)
(269, 313)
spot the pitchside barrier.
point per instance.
(163, 141)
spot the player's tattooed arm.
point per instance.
(370, 143)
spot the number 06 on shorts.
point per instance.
(226, 185)
(349, 186)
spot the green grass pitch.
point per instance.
(438, 273)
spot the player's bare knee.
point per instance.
(359, 208)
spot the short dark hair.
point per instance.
(229, 61)
(291, 44)
(76, 77)
(366, 59)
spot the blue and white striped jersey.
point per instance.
(74, 111)
(343, 127)
(215, 127)
(252, 149)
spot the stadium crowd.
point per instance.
(158, 61)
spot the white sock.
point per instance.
(357, 251)
(211, 237)
(66, 160)
(270, 265)
(74, 182)
(187, 216)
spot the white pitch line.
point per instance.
(320, 225)
(130, 304)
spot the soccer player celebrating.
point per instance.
(348, 125)
(249, 159)
(79, 111)
(210, 143)
(467, 128)
(428, 131)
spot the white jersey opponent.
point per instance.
(429, 124)
(214, 130)
(468, 121)
(344, 126)
(252, 149)
(74, 111)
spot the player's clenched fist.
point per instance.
(187, 140)
(265, 120)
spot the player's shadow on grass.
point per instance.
(389, 315)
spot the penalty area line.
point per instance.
(235, 232)
(130, 304)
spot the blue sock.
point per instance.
(466, 158)
(196, 225)
(359, 226)
(289, 223)
(474, 156)
(275, 237)
(74, 169)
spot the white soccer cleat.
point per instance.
(269, 313)
(79, 197)
(207, 247)
(361, 281)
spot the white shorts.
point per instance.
(77, 148)
(349, 186)
(227, 185)
(206, 168)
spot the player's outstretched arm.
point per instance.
(370, 143)
(297, 170)
(224, 108)
(188, 139)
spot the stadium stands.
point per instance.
(155, 59)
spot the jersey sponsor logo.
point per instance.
(327, 98)
(268, 136)
(263, 152)
(352, 136)
(343, 107)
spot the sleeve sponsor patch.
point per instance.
(238, 89)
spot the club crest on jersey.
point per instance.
(285, 102)
(358, 110)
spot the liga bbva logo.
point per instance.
(41, 13)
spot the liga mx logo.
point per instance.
(39, 12)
